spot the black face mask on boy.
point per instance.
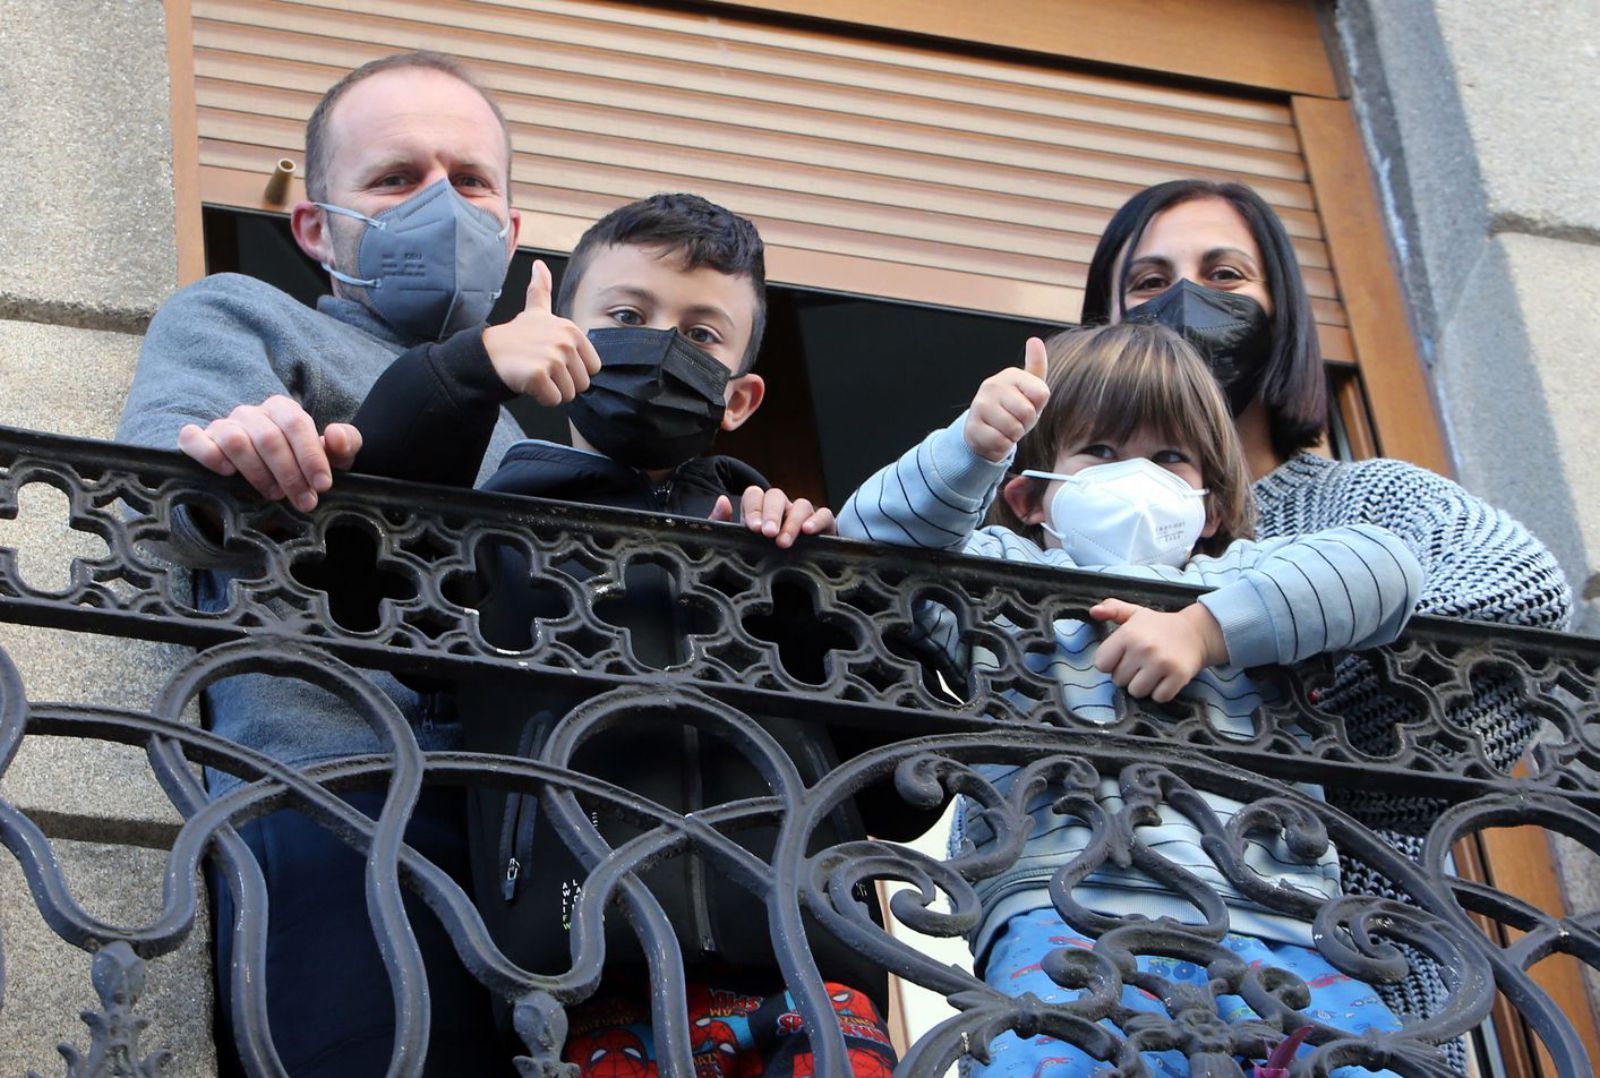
(1231, 331)
(657, 400)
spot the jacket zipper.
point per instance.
(516, 829)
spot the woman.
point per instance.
(1213, 261)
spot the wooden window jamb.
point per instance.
(185, 141)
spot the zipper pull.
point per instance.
(508, 889)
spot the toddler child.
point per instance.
(1129, 465)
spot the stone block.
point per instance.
(1527, 74)
(73, 381)
(86, 212)
(63, 379)
(89, 788)
(1516, 376)
(47, 981)
(1558, 293)
(1420, 145)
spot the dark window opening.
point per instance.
(852, 381)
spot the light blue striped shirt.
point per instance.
(1277, 601)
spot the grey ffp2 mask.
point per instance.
(432, 265)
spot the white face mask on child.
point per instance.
(1130, 512)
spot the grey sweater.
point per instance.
(1479, 564)
(230, 340)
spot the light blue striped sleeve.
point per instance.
(935, 496)
(1289, 598)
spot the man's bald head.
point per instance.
(319, 153)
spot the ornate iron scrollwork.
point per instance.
(935, 734)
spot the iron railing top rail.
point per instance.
(864, 666)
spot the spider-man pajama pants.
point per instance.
(734, 1035)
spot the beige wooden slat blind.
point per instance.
(871, 168)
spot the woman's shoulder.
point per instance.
(1385, 473)
(1479, 561)
(1309, 492)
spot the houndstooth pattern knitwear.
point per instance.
(1478, 563)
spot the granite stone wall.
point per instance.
(1480, 120)
(87, 253)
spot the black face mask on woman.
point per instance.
(656, 401)
(1230, 330)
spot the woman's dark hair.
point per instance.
(1294, 386)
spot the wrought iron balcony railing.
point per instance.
(856, 662)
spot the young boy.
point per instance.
(670, 293)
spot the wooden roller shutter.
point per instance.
(880, 169)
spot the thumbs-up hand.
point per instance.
(538, 354)
(1008, 405)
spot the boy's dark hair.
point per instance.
(1294, 387)
(698, 231)
(317, 152)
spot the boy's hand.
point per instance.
(539, 355)
(1008, 405)
(1156, 654)
(771, 513)
(276, 447)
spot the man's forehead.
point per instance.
(404, 111)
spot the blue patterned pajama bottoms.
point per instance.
(1336, 999)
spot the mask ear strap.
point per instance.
(347, 279)
(373, 221)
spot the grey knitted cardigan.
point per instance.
(1479, 564)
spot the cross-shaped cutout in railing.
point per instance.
(804, 631)
(354, 578)
(40, 539)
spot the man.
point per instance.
(408, 173)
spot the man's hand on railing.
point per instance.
(276, 447)
(1154, 653)
(775, 515)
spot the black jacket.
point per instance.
(524, 877)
